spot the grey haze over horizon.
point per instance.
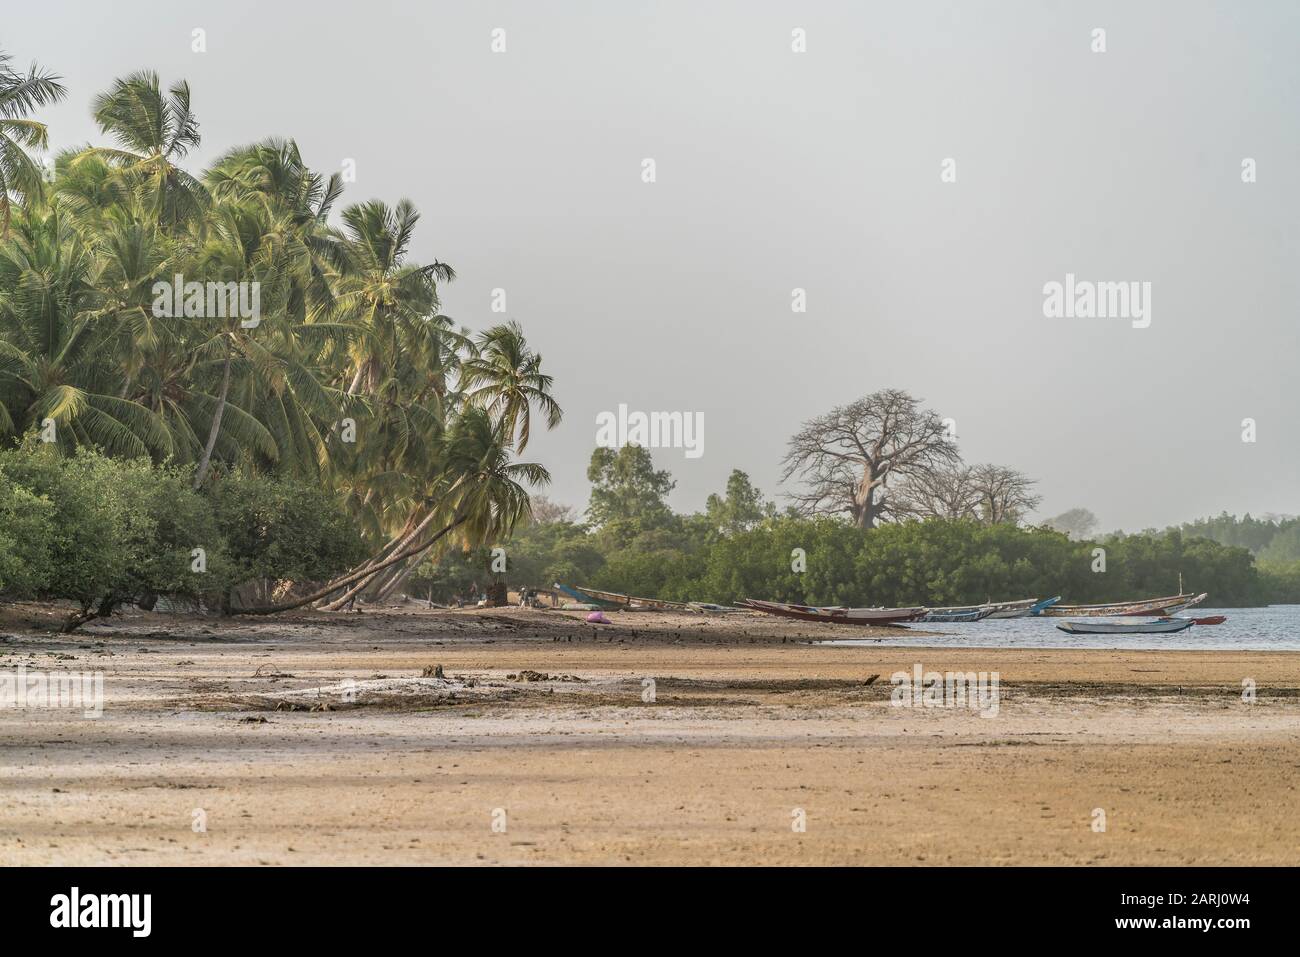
(816, 170)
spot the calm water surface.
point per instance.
(1275, 628)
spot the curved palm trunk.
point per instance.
(375, 578)
(206, 461)
(398, 541)
(374, 566)
(350, 579)
(395, 582)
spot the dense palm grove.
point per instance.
(350, 425)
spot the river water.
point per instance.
(1275, 628)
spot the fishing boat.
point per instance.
(1019, 609)
(582, 598)
(613, 601)
(1147, 607)
(1176, 608)
(1211, 620)
(1159, 626)
(631, 602)
(834, 615)
(990, 609)
(974, 613)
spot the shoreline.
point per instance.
(543, 718)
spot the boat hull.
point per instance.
(974, 614)
(1161, 627)
(1146, 608)
(836, 616)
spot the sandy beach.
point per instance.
(662, 739)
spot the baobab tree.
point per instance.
(1004, 494)
(946, 492)
(846, 457)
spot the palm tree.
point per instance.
(483, 498)
(505, 377)
(352, 329)
(394, 302)
(297, 202)
(53, 360)
(154, 130)
(395, 362)
(19, 95)
(242, 246)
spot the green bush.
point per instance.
(87, 521)
(278, 529)
(104, 532)
(26, 539)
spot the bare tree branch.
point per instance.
(846, 457)
(1005, 495)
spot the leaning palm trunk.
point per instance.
(377, 581)
(206, 461)
(355, 576)
(374, 565)
(374, 576)
(395, 581)
(372, 568)
(400, 540)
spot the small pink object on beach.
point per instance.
(598, 618)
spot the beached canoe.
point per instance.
(1018, 609)
(835, 615)
(990, 609)
(1147, 607)
(1160, 626)
(582, 598)
(977, 613)
(613, 601)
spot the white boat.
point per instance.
(1159, 626)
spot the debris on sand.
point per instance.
(529, 675)
(434, 671)
(273, 675)
(423, 691)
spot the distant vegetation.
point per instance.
(1272, 539)
(741, 546)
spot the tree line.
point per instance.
(743, 546)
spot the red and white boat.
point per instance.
(835, 615)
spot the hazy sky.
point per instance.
(819, 170)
